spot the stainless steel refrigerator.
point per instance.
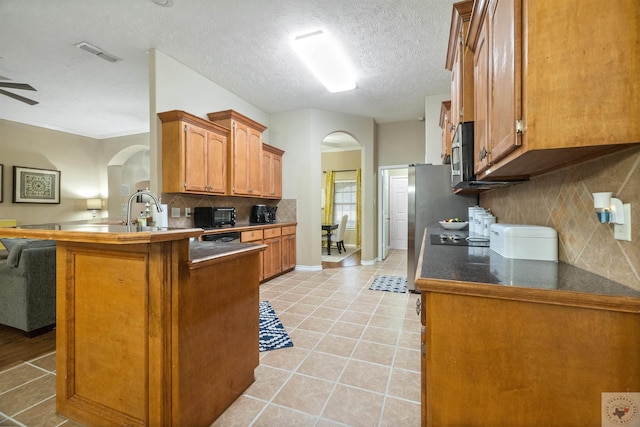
(430, 200)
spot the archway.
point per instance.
(341, 165)
(126, 168)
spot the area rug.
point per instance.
(389, 284)
(272, 334)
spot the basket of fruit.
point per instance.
(453, 224)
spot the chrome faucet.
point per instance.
(143, 193)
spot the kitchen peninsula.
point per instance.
(516, 342)
(153, 326)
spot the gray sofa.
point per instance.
(28, 285)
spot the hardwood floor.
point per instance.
(15, 347)
(350, 261)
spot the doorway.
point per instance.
(392, 209)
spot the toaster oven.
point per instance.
(212, 217)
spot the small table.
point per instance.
(329, 229)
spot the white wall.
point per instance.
(433, 142)
(300, 134)
(400, 143)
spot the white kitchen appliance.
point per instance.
(533, 242)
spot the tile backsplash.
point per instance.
(286, 207)
(562, 199)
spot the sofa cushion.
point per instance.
(17, 247)
(8, 242)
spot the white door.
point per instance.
(399, 212)
(385, 213)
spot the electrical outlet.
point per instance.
(623, 231)
(175, 212)
(187, 212)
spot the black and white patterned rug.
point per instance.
(272, 334)
(389, 284)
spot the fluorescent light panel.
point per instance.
(87, 47)
(326, 61)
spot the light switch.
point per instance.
(187, 212)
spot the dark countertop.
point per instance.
(205, 252)
(445, 267)
(245, 226)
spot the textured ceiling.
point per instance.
(397, 47)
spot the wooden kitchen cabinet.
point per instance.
(559, 78)
(273, 254)
(194, 154)
(288, 248)
(460, 63)
(447, 134)
(532, 361)
(255, 236)
(271, 172)
(245, 147)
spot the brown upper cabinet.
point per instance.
(245, 145)
(271, 172)
(194, 154)
(555, 83)
(460, 63)
(447, 134)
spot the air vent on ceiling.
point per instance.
(87, 47)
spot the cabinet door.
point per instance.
(456, 89)
(267, 174)
(195, 147)
(481, 85)
(272, 257)
(276, 168)
(240, 184)
(216, 163)
(505, 103)
(254, 160)
(288, 252)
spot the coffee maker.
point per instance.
(262, 214)
(259, 214)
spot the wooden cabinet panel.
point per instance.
(447, 134)
(460, 63)
(194, 154)
(246, 152)
(482, 99)
(271, 172)
(546, 360)
(548, 105)
(255, 236)
(272, 256)
(504, 76)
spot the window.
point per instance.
(344, 201)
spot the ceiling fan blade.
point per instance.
(23, 86)
(18, 97)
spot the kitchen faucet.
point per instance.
(143, 193)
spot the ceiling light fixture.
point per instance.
(326, 61)
(87, 47)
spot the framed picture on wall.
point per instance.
(1, 181)
(31, 185)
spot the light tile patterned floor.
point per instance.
(355, 360)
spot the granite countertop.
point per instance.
(201, 252)
(448, 267)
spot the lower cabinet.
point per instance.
(280, 255)
(288, 248)
(254, 236)
(273, 254)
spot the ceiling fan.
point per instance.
(22, 86)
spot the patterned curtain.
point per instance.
(328, 197)
(358, 206)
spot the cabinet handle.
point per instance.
(418, 306)
(423, 348)
(483, 153)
